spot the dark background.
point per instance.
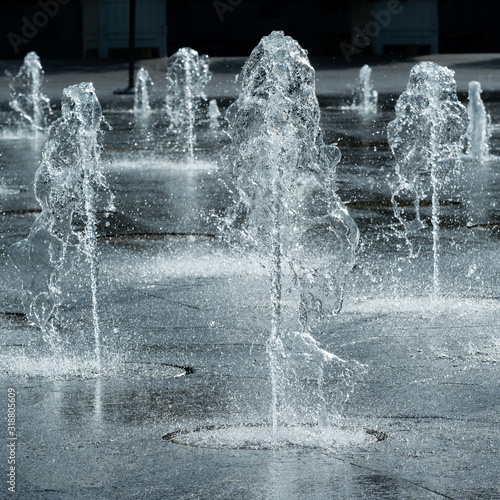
(320, 26)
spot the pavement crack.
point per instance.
(190, 306)
(376, 471)
(432, 417)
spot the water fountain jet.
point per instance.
(143, 85)
(187, 76)
(425, 140)
(66, 184)
(479, 129)
(214, 115)
(287, 210)
(365, 97)
(27, 99)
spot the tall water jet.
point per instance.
(26, 97)
(187, 76)
(287, 210)
(143, 85)
(476, 172)
(214, 115)
(425, 140)
(479, 129)
(66, 185)
(365, 98)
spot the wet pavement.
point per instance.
(185, 320)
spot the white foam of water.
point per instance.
(161, 164)
(68, 367)
(184, 263)
(262, 437)
(422, 305)
(15, 134)
(5, 191)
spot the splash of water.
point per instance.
(26, 97)
(213, 115)
(479, 129)
(187, 76)
(425, 140)
(66, 184)
(143, 85)
(288, 211)
(365, 98)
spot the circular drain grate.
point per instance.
(262, 437)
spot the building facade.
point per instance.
(105, 28)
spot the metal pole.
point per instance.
(131, 47)
(131, 38)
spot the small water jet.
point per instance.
(26, 97)
(479, 129)
(476, 174)
(187, 76)
(66, 186)
(142, 132)
(143, 85)
(214, 115)
(287, 210)
(425, 140)
(365, 97)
